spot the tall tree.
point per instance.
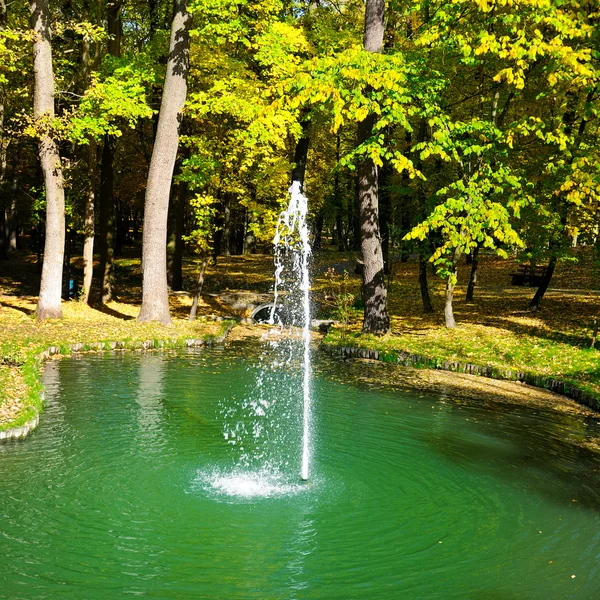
(107, 208)
(155, 294)
(376, 318)
(43, 111)
(3, 224)
(90, 193)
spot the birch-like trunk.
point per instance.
(49, 305)
(90, 197)
(155, 293)
(376, 318)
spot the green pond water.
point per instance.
(177, 476)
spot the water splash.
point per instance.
(291, 236)
(261, 427)
(242, 484)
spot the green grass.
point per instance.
(487, 346)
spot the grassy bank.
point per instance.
(22, 340)
(506, 352)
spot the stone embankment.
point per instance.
(418, 361)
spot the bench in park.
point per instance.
(528, 275)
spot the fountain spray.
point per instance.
(291, 234)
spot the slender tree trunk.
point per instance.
(337, 193)
(90, 195)
(175, 254)
(199, 287)
(49, 305)
(301, 155)
(535, 302)
(106, 220)
(155, 293)
(226, 237)
(385, 208)
(376, 318)
(3, 151)
(474, 271)
(318, 231)
(14, 241)
(425, 297)
(88, 224)
(450, 285)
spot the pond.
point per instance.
(176, 475)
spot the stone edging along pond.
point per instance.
(20, 432)
(423, 362)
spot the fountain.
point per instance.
(291, 235)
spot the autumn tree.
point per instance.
(49, 302)
(155, 294)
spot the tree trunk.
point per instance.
(376, 318)
(318, 231)
(3, 151)
(448, 311)
(473, 278)
(450, 285)
(90, 196)
(155, 294)
(88, 225)
(535, 302)
(301, 155)
(175, 258)
(337, 194)
(106, 224)
(199, 287)
(385, 210)
(106, 220)
(49, 305)
(226, 236)
(425, 297)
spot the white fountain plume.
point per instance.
(292, 235)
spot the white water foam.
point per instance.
(240, 484)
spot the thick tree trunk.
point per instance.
(535, 302)
(49, 305)
(376, 318)
(474, 271)
(199, 287)
(155, 293)
(425, 297)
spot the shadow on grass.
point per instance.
(111, 312)
(28, 311)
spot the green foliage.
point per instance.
(114, 99)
